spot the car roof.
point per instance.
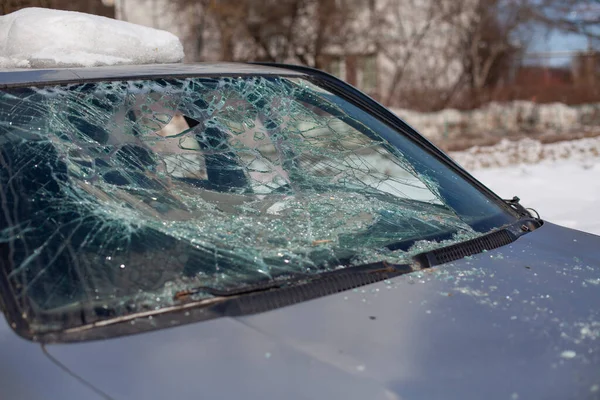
(28, 77)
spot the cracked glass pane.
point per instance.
(118, 194)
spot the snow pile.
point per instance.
(44, 38)
(526, 151)
(502, 119)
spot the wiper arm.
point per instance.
(359, 275)
(515, 204)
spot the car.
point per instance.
(267, 231)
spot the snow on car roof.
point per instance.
(46, 38)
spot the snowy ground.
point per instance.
(495, 121)
(564, 189)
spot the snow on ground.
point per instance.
(527, 151)
(44, 38)
(498, 120)
(561, 180)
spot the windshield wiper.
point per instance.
(515, 204)
(183, 295)
(353, 275)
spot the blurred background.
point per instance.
(420, 54)
(510, 87)
(411, 55)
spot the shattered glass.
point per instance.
(127, 191)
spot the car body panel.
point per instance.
(521, 321)
(26, 373)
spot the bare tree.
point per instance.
(412, 36)
(499, 30)
(301, 31)
(443, 49)
(230, 17)
(447, 49)
(489, 40)
(575, 16)
(278, 30)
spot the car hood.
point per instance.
(518, 322)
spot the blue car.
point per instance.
(254, 231)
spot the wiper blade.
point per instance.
(184, 294)
(366, 273)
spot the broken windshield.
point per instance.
(125, 192)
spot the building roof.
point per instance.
(28, 77)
